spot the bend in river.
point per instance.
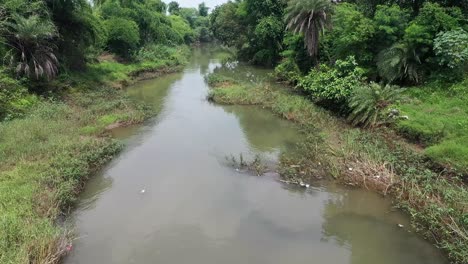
(172, 198)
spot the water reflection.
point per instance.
(358, 221)
(264, 131)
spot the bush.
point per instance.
(287, 71)
(451, 48)
(123, 36)
(333, 83)
(14, 98)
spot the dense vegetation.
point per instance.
(63, 64)
(332, 51)
(389, 67)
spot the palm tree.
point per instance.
(311, 18)
(400, 61)
(32, 49)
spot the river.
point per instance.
(171, 196)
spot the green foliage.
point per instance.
(288, 71)
(226, 25)
(14, 98)
(78, 28)
(335, 83)
(399, 62)
(182, 29)
(203, 9)
(451, 48)
(254, 27)
(173, 8)
(368, 104)
(267, 41)
(123, 36)
(390, 24)
(351, 35)
(311, 18)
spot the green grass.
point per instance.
(48, 153)
(435, 201)
(118, 74)
(45, 158)
(438, 118)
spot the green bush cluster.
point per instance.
(14, 98)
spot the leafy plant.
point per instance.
(335, 83)
(451, 48)
(369, 102)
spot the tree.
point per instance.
(226, 25)
(352, 34)
(390, 24)
(203, 9)
(78, 29)
(32, 48)
(173, 8)
(311, 18)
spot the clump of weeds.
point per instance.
(255, 166)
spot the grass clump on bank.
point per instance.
(435, 201)
(438, 120)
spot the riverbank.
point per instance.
(435, 201)
(48, 153)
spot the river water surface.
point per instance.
(172, 198)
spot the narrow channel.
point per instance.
(171, 197)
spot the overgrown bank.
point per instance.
(50, 148)
(435, 201)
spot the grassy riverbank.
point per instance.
(49, 151)
(436, 202)
(438, 120)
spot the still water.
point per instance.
(196, 209)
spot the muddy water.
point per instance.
(197, 209)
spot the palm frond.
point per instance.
(368, 103)
(311, 18)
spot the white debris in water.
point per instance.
(142, 191)
(237, 170)
(307, 185)
(302, 184)
(350, 169)
(400, 226)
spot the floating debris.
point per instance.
(142, 191)
(400, 226)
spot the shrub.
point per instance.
(451, 48)
(14, 98)
(333, 83)
(288, 71)
(369, 102)
(123, 36)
